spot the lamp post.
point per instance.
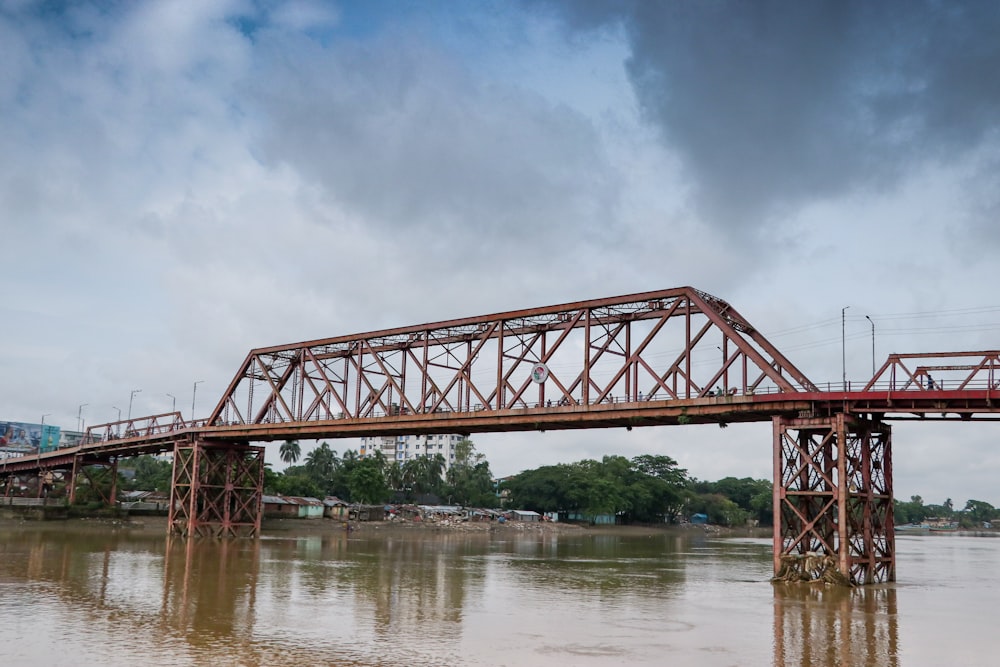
(843, 348)
(117, 431)
(174, 407)
(873, 344)
(79, 415)
(41, 432)
(194, 392)
(134, 392)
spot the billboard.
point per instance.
(24, 438)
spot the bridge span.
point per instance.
(669, 357)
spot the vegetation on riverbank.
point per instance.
(644, 489)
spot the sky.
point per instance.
(181, 182)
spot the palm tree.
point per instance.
(323, 461)
(290, 451)
(394, 476)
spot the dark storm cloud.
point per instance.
(775, 104)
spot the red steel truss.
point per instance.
(217, 490)
(656, 346)
(833, 494)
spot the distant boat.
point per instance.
(914, 527)
(945, 528)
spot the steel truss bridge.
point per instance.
(671, 357)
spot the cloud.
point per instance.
(413, 145)
(772, 106)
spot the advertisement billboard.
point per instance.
(24, 438)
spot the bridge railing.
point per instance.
(938, 371)
(138, 427)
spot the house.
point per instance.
(279, 506)
(525, 515)
(293, 507)
(335, 508)
(308, 508)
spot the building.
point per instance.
(403, 448)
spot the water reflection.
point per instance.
(325, 597)
(832, 625)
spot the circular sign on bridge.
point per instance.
(539, 373)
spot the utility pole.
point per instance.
(873, 344)
(843, 347)
(194, 392)
(79, 415)
(134, 392)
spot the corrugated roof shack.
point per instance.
(279, 506)
(293, 506)
(335, 508)
(524, 515)
(308, 508)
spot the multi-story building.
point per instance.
(403, 448)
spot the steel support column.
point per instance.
(217, 490)
(71, 495)
(833, 494)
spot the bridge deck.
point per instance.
(969, 404)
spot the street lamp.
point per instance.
(41, 433)
(174, 408)
(843, 348)
(873, 344)
(194, 392)
(79, 414)
(134, 392)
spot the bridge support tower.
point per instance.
(217, 490)
(833, 494)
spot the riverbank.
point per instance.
(284, 526)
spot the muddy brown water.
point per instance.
(78, 593)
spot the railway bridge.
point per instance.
(670, 357)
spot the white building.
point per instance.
(403, 448)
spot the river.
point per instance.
(75, 594)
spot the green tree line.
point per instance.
(425, 479)
(644, 489)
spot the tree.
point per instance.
(151, 474)
(470, 481)
(394, 477)
(367, 483)
(909, 512)
(290, 451)
(321, 463)
(979, 512)
(648, 488)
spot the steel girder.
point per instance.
(833, 494)
(667, 345)
(217, 490)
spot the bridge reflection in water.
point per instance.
(834, 625)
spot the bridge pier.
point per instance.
(833, 495)
(217, 490)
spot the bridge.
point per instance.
(670, 357)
